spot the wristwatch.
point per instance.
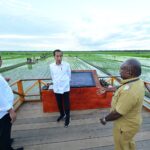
(104, 120)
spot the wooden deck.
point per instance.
(36, 130)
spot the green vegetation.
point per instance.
(137, 53)
(109, 67)
(107, 62)
(12, 59)
(129, 53)
(22, 54)
(12, 67)
(25, 54)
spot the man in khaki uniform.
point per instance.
(126, 106)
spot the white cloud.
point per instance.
(16, 36)
(74, 24)
(15, 6)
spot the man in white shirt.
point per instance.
(7, 114)
(61, 76)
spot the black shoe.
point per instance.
(67, 121)
(11, 141)
(60, 118)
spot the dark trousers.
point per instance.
(5, 131)
(63, 103)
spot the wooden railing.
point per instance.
(22, 93)
(23, 96)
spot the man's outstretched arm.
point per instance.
(114, 115)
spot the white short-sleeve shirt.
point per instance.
(61, 76)
(6, 97)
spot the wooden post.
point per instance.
(40, 90)
(112, 81)
(147, 87)
(20, 90)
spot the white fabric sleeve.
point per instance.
(5, 106)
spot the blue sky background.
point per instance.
(74, 24)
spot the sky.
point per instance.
(74, 25)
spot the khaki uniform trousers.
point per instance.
(123, 140)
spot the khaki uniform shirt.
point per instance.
(128, 101)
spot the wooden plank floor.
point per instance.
(36, 130)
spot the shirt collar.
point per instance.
(59, 64)
(127, 80)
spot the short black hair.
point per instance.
(57, 50)
(135, 66)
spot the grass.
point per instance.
(98, 58)
(137, 53)
(22, 54)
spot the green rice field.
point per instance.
(105, 63)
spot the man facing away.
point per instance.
(61, 76)
(7, 114)
(126, 106)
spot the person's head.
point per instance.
(0, 61)
(58, 54)
(131, 68)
